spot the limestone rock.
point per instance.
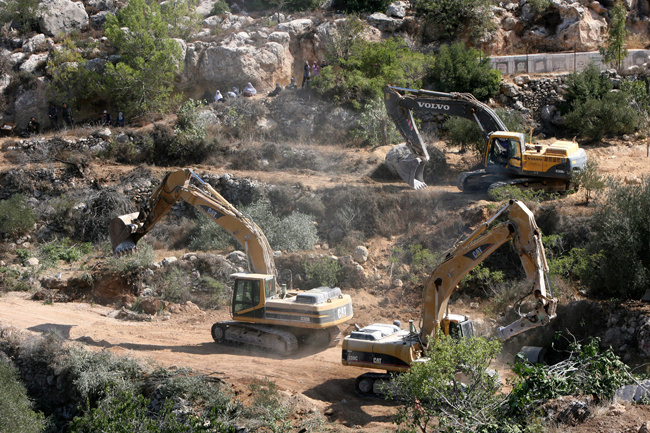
(384, 22)
(62, 17)
(397, 9)
(35, 44)
(360, 254)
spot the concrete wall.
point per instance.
(561, 62)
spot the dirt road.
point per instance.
(184, 340)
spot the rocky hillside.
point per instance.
(267, 48)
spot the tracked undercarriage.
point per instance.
(481, 180)
(281, 340)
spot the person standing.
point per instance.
(66, 113)
(306, 74)
(315, 69)
(53, 115)
(120, 119)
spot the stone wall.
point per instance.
(560, 62)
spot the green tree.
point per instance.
(360, 78)
(590, 83)
(70, 80)
(142, 80)
(16, 217)
(457, 68)
(614, 52)
(375, 127)
(182, 17)
(433, 390)
(21, 14)
(16, 413)
(338, 43)
(610, 115)
(447, 20)
(590, 179)
(621, 230)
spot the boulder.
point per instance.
(384, 22)
(360, 254)
(397, 9)
(33, 62)
(295, 27)
(31, 103)
(35, 44)
(235, 62)
(62, 17)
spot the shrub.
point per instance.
(133, 262)
(586, 371)
(513, 192)
(621, 229)
(208, 235)
(292, 233)
(65, 250)
(323, 272)
(174, 284)
(611, 115)
(482, 278)
(16, 217)
(457, 68)
(16, 412)
(11, 280)
(451, 19)
(220, 7)
(21, 14)
(589, 178)
(101, 207)
(589, 83)
(360, 78)
(375, 127)
(432, 389)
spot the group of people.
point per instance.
(248, 91)
(105, 119)
(309, 71)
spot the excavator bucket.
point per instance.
(122, 234)
(411, 169)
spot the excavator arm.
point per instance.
(469, 253)
(126, 230)
(402, 102)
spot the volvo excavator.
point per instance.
(507, 159)
(390, 348)
(264, 315)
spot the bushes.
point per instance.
(621, 230)
(359, 6)
(125, 265)
(16, 217)
(65, 250)
(611, 115)
(323, 272)
(449, 19)
(457, 68)
(360, 78)
(16, 413)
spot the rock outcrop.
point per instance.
(62, 17)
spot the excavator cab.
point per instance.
(503, 151)
(250, 293)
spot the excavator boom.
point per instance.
(402, 102)
(387, 347)
(126, 230)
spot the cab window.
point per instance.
(247, 294)
(268, 288)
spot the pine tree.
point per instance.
(615, 51)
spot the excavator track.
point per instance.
(547, 185)
(250, 335)
(372, 385)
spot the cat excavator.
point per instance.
(264, 316)
(390, 348)
(507, 158)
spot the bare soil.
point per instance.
(317, 378)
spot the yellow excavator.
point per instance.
(264, 315)
(390, 348)
(507, 159)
